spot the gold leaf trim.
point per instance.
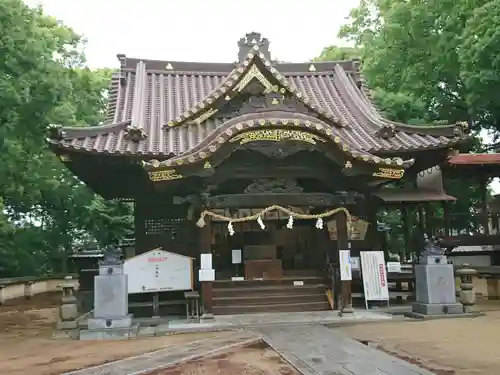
(166, 175)
(276, 135)
(252, 73)
(389, 173)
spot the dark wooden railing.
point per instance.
(468, 229)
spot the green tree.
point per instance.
(431, 62)
(431, 50)
(45, 210)
(336, 53)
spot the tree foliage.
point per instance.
(429, 62)
(45, 212)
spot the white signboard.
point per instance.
(394, 267)
(206, 261)
(355, 263)
(157, 271)
(345, 265)
(374, 276)
(236, 256)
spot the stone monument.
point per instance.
(435, 283)
(110, 318)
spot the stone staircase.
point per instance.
(308, 293)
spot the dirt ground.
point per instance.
(27, 347)
(451, 346)
(254, 360)
(448, 346)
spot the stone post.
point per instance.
(28, 290)
(68, 311)
(467, 292)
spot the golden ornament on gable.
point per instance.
(165, 175)
(389, 173)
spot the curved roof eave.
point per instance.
(294, 122)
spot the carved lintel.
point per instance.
(248, 200)
(279, 185)
(389, 173)
(277, 135)
(165, 175)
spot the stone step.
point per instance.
(268, 290)
(287, 307)
(269, 299)
(269, 282)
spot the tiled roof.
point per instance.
(474, 159)
(162, 109)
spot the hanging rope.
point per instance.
(258, 216)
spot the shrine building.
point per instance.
(288, 162)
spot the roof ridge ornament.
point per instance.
(241, 76)
(250, 40)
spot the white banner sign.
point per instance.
(374, 276)
(236, 256)
(345, 265)
(206, 261)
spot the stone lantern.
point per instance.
(467, 293)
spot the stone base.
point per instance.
(71, 324)
(127, 333)
(207, 316)
(109, 322)
(437, 308)
(66, 334)
(415, 315)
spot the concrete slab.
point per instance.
(316, 350)
(171, 356)
(278, 319)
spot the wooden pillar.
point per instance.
(485, 220)
(373, 234)
(206, 286)
(446, 217)
(140, 213)
(405, 217)
(343, 244)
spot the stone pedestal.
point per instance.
(110, 318)
(435, 287)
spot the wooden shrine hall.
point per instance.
(287, 162)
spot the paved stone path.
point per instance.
(317, 350)
(170, 356)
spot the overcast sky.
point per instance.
(197, 30)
